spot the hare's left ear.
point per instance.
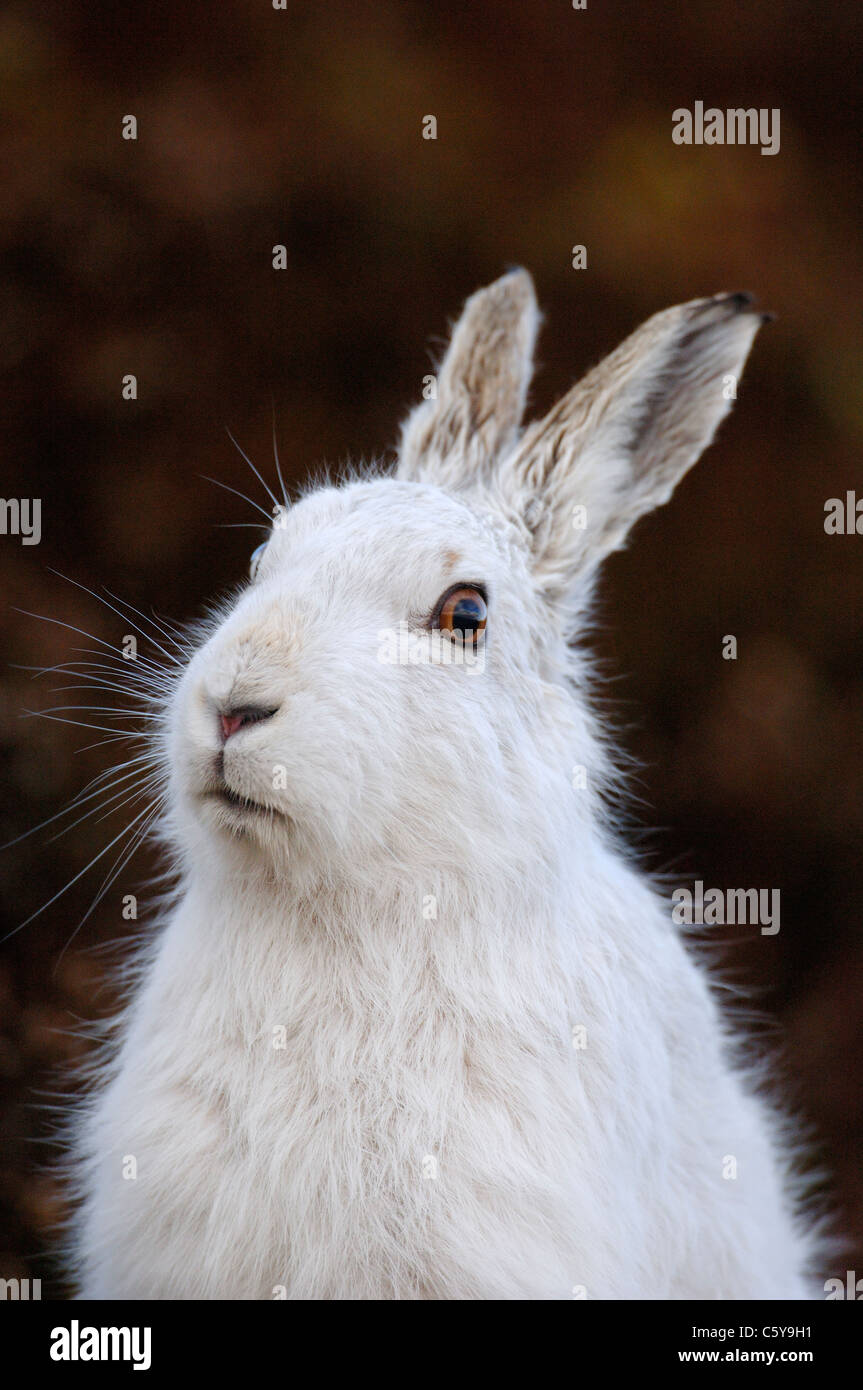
(480, 387)
(618, 443)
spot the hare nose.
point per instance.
(233, 720)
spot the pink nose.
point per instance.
(230, 724)
(233, 720)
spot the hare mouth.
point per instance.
(227, 797)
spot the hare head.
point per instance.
(397, 684)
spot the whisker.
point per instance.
(155, 674)
(276, 456)
(118, 767)
(148, 784)
(264, 485)
(152, 621)
(117, 735)
(134, 668)
(92, 682)
(126, 663)
(126, 619)
(237, 493)
(80, 874)
(82, 797)
(79, 723)
(102, 709)
(145, 784)
(144, 684)
(116, 869)
(99, 684)
(43, 618)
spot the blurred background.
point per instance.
(303, 128)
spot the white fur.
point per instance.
(428, 1129)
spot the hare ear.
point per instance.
(481, 387)
(617, 444)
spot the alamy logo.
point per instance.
(20, 1290)
(737, 126)
(21, 516)
(403, 646)
(725, 907)
(850, 1288)
(844, 516)
(77, 1343)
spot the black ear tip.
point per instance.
(742, 302)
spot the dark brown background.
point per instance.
(303, 127)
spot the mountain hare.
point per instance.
(413, 1025)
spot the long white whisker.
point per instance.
(169, 656)
(102, 709)
(153, 621)
(74, 880)
(117, 736)
(95, 684)
(118, 767)
(85, 795)
(145, 784)
(237, 493)
(125, 662)
(116, 869)
(43, 618)
(79, 723)
(265, 486)
(148, 784)
(154, 672)
(276, 457)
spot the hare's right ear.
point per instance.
(480, 387)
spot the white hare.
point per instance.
(414, 1026)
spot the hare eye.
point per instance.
(463, 611)
(255, 559)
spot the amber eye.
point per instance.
(464, 612)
